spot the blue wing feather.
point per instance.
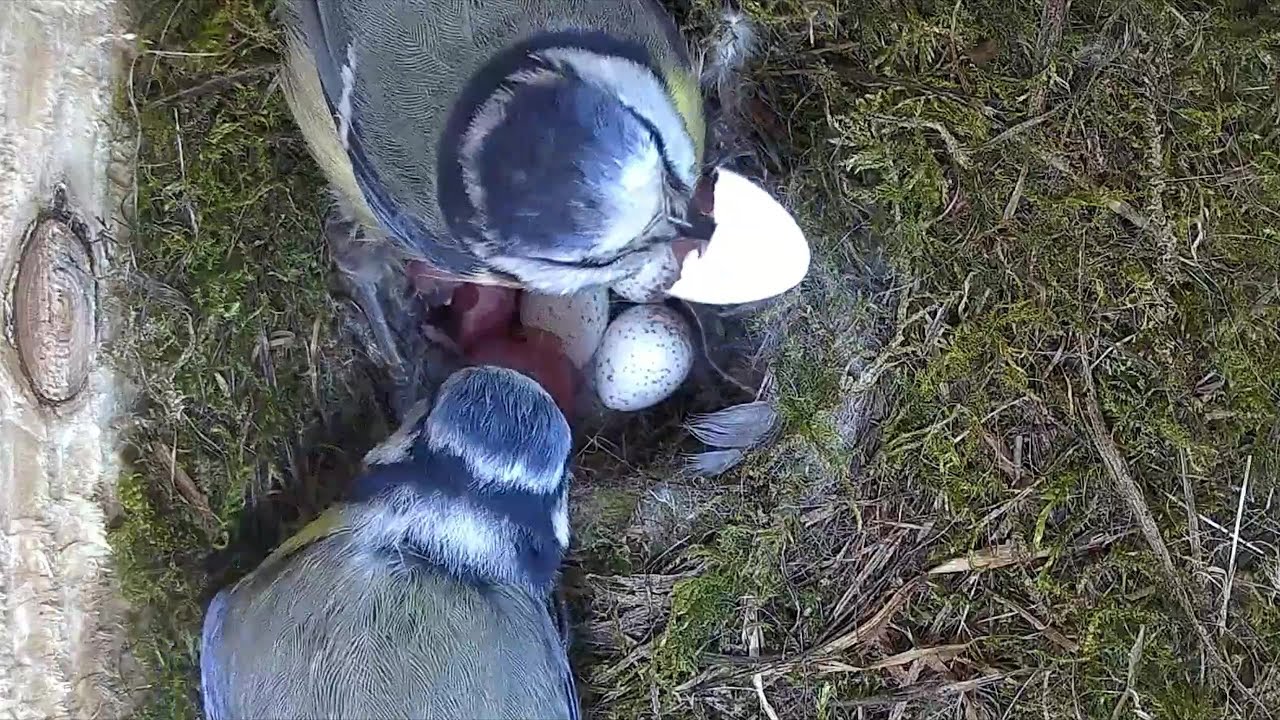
(215, 707)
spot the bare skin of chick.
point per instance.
(480, 326)
(483, 323)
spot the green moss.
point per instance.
(741, 564)
(163, 592)
(699, 608)
(232, 324)
(602, 515)
(1160, 678)
(809, 390)
(1016, 223)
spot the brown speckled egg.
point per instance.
(646, 354)
(578, 320)
(651, 283)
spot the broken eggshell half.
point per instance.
(757, 250)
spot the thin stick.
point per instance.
(1252, 546)
(1135, 659)
(217, 83)
(706, 353)
(758, 681)
(1115, 465)
(754, 634)
(1189, 499)
(929, 689)
(1235, 543)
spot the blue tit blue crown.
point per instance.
(477, 485)
(563, 158)
(563, 164)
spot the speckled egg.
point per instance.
(579, 320)
(646, 354)
(651, 282)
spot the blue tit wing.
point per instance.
(560, 612)
(212, 680)
(337, 628)
(216, 676)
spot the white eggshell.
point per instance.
(579, 320)
(757, 250)
(646, 354)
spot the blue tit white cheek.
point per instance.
(488, 534)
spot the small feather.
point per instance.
(731, 46)
(713, 462)
(738, 426)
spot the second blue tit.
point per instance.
(550, 145)
(430, 593)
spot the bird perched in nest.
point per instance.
(543, 145)
(429, 594)
(549, 145)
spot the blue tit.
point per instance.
(549, 145)
(430, 592)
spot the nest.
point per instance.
(705, 428)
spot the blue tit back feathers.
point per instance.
(429, 593)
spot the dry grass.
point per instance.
(1028, 396)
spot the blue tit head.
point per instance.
(474, 482)
(574, 160)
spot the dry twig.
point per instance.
(1100, 435)
(1235, 544)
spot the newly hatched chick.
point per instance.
(430, 593)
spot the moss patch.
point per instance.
(234, 334)
(1058, 195)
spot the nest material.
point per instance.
(733, 353)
